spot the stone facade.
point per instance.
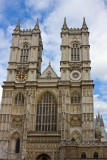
(43, 116)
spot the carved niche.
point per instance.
(75, 120)
(17, 121)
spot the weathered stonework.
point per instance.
(44, 116)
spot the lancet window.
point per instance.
(83, 155)
(17, 145)
(95, 155)
(46, 114)
(75, 98)
(19, 99)
(75, 52)
(24, 54)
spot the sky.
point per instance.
(51, 15)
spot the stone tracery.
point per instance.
(46, 113)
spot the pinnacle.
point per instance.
(37, 25)
(17, 26)
(101, 121)
(49, 63)
(84, 26)
(98, 119)
(65, 24)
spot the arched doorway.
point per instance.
(43, 157)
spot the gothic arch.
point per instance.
(43, 156)
(75, 51)
(75, 136)
(74, 42)
(15, 134)
(46, 112)
(95, 155)
(83, 155)
(15, 139)
(43, 92)
(24, 43)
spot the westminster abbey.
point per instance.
(46, 117)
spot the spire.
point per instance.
(65, 24)
(101, 121)
(98, 119)
(17, 26)
(37, 25)
(84, 26)
(49, 63)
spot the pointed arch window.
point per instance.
(83, 155)
(46, 114)
(19, 99)
(75, 98)
(73, 140)
(24, 54)
(95, 155)
(75, 52)
(17, 145)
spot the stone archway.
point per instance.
(43, 157)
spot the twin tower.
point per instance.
(43, 116)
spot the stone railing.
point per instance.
(70, 143)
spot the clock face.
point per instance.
(75, 75)
(21, 76)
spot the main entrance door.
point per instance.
(43, 157)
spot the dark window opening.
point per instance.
(73, 139)
(17, 145)
(95, 155)
(83, 155)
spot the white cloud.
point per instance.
(2, 74)
(101, 106)
(39, 5)
(5, 42)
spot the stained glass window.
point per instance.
(46, 113)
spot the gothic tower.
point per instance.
(18, 99)
(75, 69)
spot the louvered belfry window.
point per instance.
(75, 52)
(46, 113)
(24, 54)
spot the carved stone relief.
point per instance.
(75, 120)
(17, 122)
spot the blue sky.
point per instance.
(51, 14)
